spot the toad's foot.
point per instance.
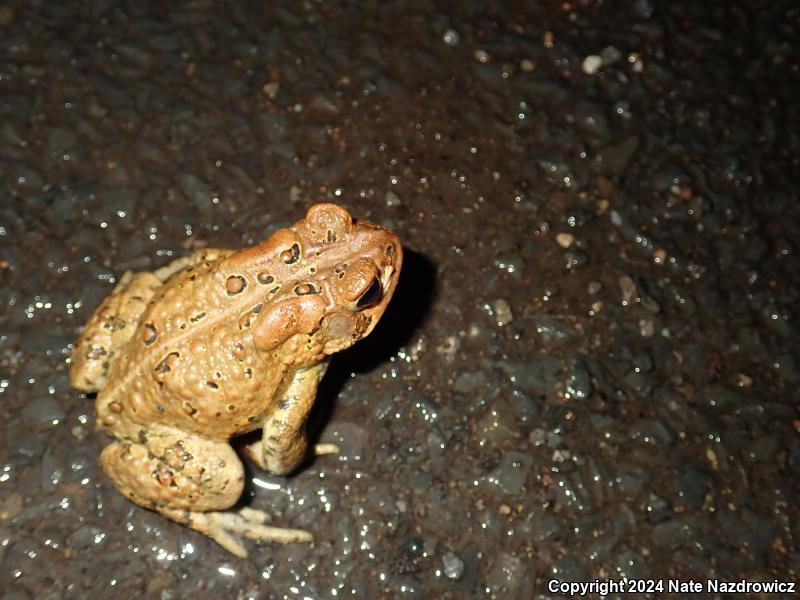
(255, 452)
(224, 528)
(325, 449)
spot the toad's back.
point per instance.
(191, 361)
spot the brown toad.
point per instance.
(222, 343)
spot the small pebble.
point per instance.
(594, 288)
(575, 259)
(560, 456)
(610, 55)
(553, 439)
(392, 199)
(449, 346)
(591, 64)
(451, 37)
(647, 328)
(468, 382)
(481, 56)
(295, 194)
(635, 60)
(453, 566)
(711, 456)
(628, 289)
(271, 89)
(565, 240)
(527, 65)
(537, 437)
(502, 312)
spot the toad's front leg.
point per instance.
(193, 481)
(283, 443)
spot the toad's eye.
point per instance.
(371, 296)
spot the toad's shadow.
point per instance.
(410, 305)
(407, 311)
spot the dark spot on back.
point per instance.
(291, 255)
(149, 335)
(304, 289)
(163, 366)
(235, 284)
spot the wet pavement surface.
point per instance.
(590, 367)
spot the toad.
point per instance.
(221, 343)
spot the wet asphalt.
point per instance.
(589, 370)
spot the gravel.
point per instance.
(589, 369)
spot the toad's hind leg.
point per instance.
(192, 481)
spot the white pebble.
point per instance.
(481, 56)
(502, 312)
(271, 89)
(647, 328)
(565, 240)
(392, 199)
(453, 566)
(591, 64)
(451, 37)
(628, 289)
